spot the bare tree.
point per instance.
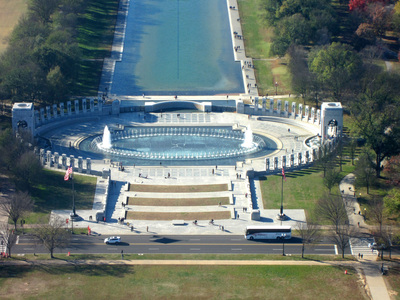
(309, 233)
(365, 173)
(9, 237)
(325, 158)
(53, 234)
(376, 211)
(332, 178)
(352, 150)
(16, 206)
(331, 208)
(342, 236)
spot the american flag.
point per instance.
(67, 173)
(283, 173)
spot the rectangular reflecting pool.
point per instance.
(177, 47)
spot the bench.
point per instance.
(178, 222)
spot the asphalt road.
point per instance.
(177, 244)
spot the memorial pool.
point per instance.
(177, 47)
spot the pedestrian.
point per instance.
(358, 224)
(359, 255)
(362, 255)
(243, 209)
(219, 204)
(122, 254)
(238, 216)
(220, 227)
(223, 228)
(359, 212)
(213, 171)
(147, 228)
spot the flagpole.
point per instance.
(73, 196)
(282, 198)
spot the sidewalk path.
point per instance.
(370, 267)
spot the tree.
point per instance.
(325, 158)
(9, 237)
(364, 171)
(376, 112)
(43, 9)
(299, 70)
(16, 206)
(336, 66)
(309, 233)
(331, 208)
(352, 150)
(376, 211)
(392, 170)
(392, 201)
(27, 170)
(332, 178)
(342, 237)
(53, 234)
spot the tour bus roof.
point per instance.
(267, 227)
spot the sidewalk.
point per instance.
(368, 265)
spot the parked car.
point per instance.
(112, 240)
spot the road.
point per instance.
(177, 244)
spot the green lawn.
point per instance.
(54, 193)
(179, 282)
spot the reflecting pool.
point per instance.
(177, 47)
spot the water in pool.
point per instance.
(180, 47)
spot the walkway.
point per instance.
(368, 264)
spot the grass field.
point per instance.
(177, 201)
(55, 193)
(10, 12)
(178, 188)
(179, 282)
(187, 216)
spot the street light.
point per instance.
(276, 87)
(283, 236)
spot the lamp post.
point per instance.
(283, 236)
(276, 87)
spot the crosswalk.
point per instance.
(360, 246)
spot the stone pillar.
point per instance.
(64, 161)
(283, 161)
(37, 118)
(313, 115)
(278, 112)
(62, 110)
(307, 157)
(91, 103)
(255, 104)
(84, 105)
(48, 113)
(318, 116)
(264, 104)
(55, 114)
(24, 118)
(275, 162)
(239, 107)
(72, 161)
(115, 107)
(42, 117)
(301, 111)
(56, 160)
(286, 109)
(299, 157)
(48, 158)
(88, 165)
(292, 160)
(69, 108)
(42, 156)
(100, 105)
(80, 164)
(77, 107)
(293, 115)
(271, 106)
(267, 164)
(307, 113)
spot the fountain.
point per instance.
(106, 142)
(248, 138)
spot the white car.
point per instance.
(112, 240)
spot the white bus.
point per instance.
(268, 232)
